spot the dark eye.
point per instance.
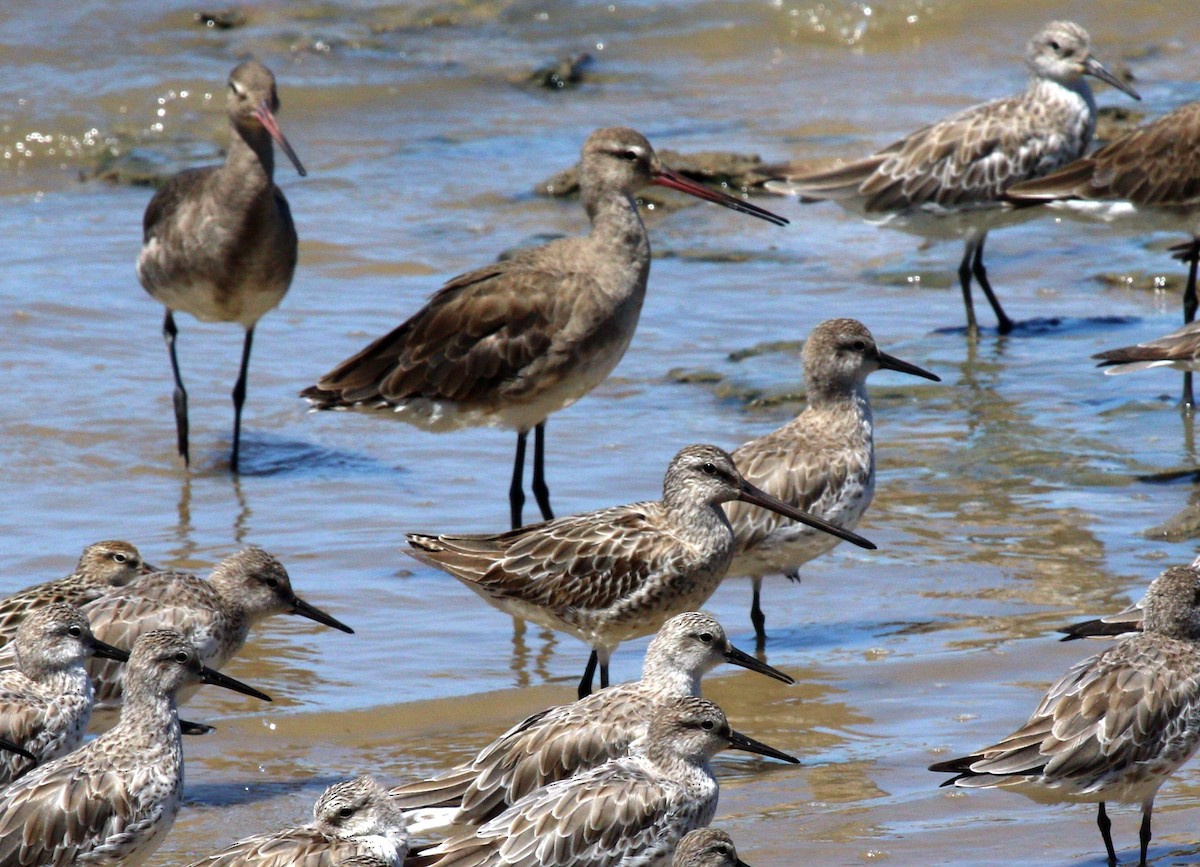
(119, 558)
(722, 849)
(859, 346)
(181, 657)
(346, 812)
(708, 725)
(709, 469)
(706, 637)
(75, 631)
(272, 583)
(630, 156)
(1054, 44)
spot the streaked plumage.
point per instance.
(511, 343)
(216, 614)
(822, 461)
(631, 811)
(219, 242)
(1153, 174)
(617, 573)
(46, 700)
(948, 179)
(562, 741)
(1117, 724)
(1179, 350)
(101, 567)
(111, 802)
(350, 818)
(707, 847)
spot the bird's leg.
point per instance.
(585, 684)
(516, 491)
(604, 673)
(1144, 832)
(170, 332)
(1106, 832)
(540, 491)
(756, 614)
(239, 398)
(964, 278)
(1191, 254)
(1003, 324)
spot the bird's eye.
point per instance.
(119, 558)
(1054, 45)
(722, 849)
(708, 725)
(630, 156)
(75, 631)
(181, 657)
(346, 812)
(272, 583)
(859, 346)
(709, 469)
(706, 637)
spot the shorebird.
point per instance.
(618, 573)
(1152, 174)
(707, 847)
(101, 567)
(509, 344)
(947, 180)
(219, 242)
(351, 818)
(1116, 725)
(822, 461)
(216, 614)
(631, 811)
(46, 701)
(562, 741)
(112, 801)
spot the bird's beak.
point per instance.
(208, 675)
(891, 362)
(739, 741)
(745, 660)
(267, 119)
(105, 650)
(664, 177)
(748, 493)
(312, 612)
(1095, 68)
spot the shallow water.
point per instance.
(1009, 500)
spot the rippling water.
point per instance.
(1009, 498)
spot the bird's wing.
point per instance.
(299, 847)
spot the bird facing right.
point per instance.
(822, 461)
(948, 179)
(351, 818)
(629, 811)
(1116, 725)
(707, 847)
(618, 573)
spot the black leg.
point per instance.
(239, 398)
(756, 614)
(540, 491)
(1144, 833)
(604, 674)
(1189, 314)
(964, 279)
(1003, 323)
(516, 491)
(585, 684)
(1106, 832)
(170, 332)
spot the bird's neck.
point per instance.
(250, 163)
(616, 222)
(148, 718)
(665, 678)
(1070, 99)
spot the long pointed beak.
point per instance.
(739, 741)
(1095, 68)
(740, 863)
(208, 675)
(312, 612)
(147, 569)
(748, 493)
(745, 660)
(267, 119)
(107, 651)
(891, 362)
(20, 751)
(664, 177)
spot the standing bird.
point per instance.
(216, 614)
(629, 811)
(707, 847)
(1116, 725)
(1152, 172)
(351, 818)
(219, 242)
(101, 567)
(515, 341)
(566, 740)
(111, 802)
(822, 461)
(46, 701)
(618, 573)
(948, 180)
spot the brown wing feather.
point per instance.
(300, 847)
(1181, 345)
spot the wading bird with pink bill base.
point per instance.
(219, 242)
(512, 342)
